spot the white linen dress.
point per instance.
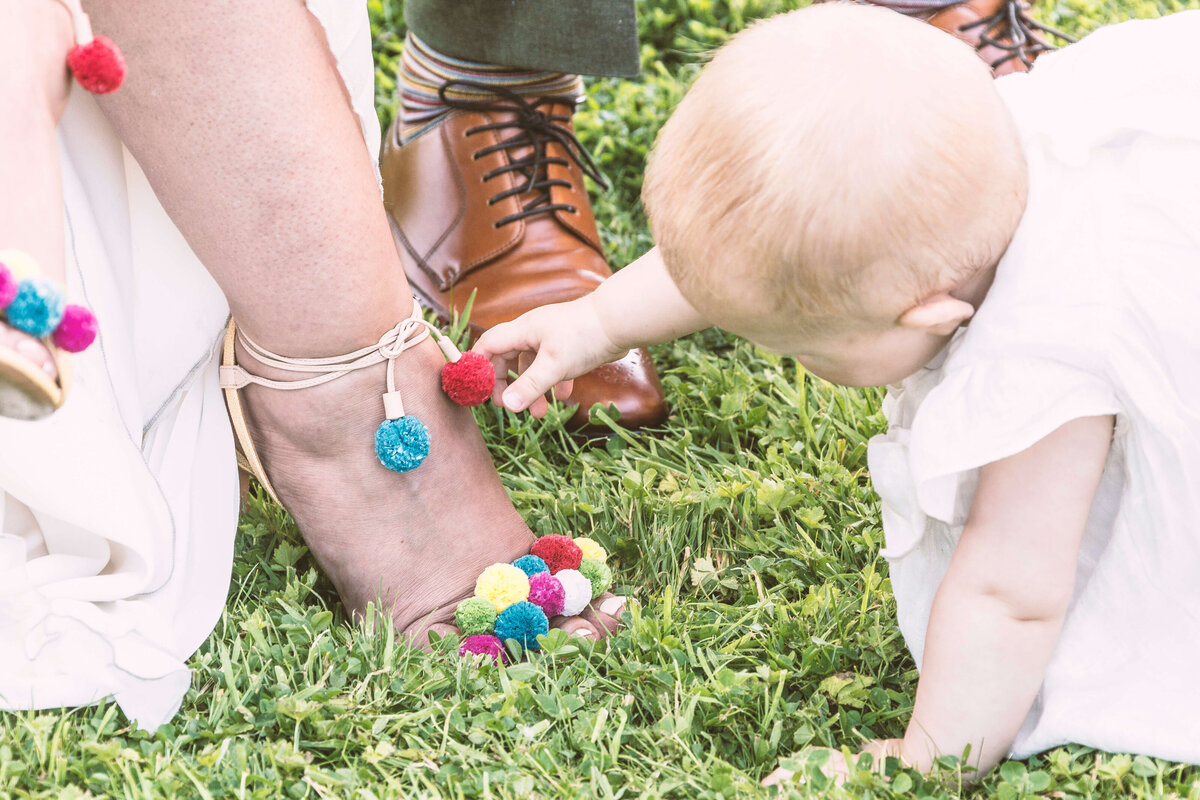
(1095, 310)
(117, 514)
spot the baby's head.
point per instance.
(838, 184)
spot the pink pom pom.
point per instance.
(9, 285)
(470, 380)
(77, 330)
(484, 644)
(98, 65)
(547, 593)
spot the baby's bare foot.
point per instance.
(415, 541)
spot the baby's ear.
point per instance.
(939, 314)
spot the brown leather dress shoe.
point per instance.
(1005, 37)
(1000, 31)
(490, 203)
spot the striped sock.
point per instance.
(423, 70)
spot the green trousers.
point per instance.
(587, 37)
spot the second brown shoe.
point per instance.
(1001, 31)
(490, 202)
(1007, 38)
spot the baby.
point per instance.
(1020, 261)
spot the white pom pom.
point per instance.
(577, 591)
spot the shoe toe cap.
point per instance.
(631, 384)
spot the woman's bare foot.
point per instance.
(414, 542)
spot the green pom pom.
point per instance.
(475, 615)
(598, 573)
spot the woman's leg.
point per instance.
(34, 41)
(238, 116)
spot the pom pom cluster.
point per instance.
(36, 305)
(469, 380)
(515, 601)
(98, 65)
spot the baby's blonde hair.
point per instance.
(830, 153)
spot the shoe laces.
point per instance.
(531, 128)
(1014, 32)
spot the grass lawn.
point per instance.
(746, 529)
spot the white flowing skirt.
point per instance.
(117, 514)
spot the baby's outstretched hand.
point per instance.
(838, 768)
(547, 347)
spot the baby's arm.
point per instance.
(997, 615)
(551, 345)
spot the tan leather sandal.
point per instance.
(401, 441)
(28, 389)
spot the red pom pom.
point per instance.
(98, 65)
(559, 552)
(470, 380)
(77, 330)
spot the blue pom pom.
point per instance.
(531, 565)
(402, 444)
(38, 307)
(524, 622)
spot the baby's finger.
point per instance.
(563, 389)
(501, 364)
(539, 407)
(534, 382)
(506, 339)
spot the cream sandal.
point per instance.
(401, 441)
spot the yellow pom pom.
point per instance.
(20, 264)
(591, 549)
(503, 584)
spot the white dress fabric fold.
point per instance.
(1093, 311)
(118, 513)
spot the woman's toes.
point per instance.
(605, 612)
(418, 635)
(29, 347)
(579, 626)
(599, 619)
